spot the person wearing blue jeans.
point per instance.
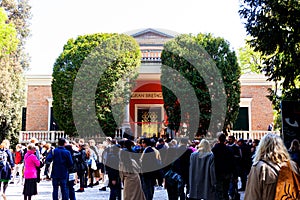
(62, 162)
(62, 182)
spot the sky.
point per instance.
(55, 21)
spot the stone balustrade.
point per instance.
(47, 136)
(251, 134)
(52, 136)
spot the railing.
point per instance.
(47, 136)
(52, 136)
(251, 134)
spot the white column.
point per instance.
(125, 123)
(49, 111)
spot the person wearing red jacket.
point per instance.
(19, 158)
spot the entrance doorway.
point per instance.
(242, 121)
(148, 120)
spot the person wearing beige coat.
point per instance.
(270, 155)
(129, 174)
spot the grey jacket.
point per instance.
(202, 178)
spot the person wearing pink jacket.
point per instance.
(30, 172)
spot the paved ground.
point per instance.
(14, 192)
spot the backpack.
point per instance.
(3, 158)
(288, 183)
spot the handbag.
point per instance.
(173, 179)
(72, 176)
(93, 165)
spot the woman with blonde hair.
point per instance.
(6, 166)
(271, 154)
(202, 177)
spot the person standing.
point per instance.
(72, 170)
(19, 158)
(112, 166)
(233, 187)
(62, 162)
(81, 163)
(30, 172)
(95, 149)
(271, 127)
(109, 143)
(6, 166)
(148, 160)
(202, 177)
(172, 163)
(294, 151)
(255, 143)
(271, 154)
(224, 166)
(129, 174)
(245, 162)
(184, 153)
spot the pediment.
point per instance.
(152, 36)
(151, 33)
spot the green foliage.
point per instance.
(249, 60)
(19, 14)
(274, 27)
(11, 82)
(179, 56)
(112, 60)
(8, 35)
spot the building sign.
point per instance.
(146, 95)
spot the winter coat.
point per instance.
(261, 182)
(31, 164)
(62, 162)
(80, 162)
(224, 160)
(132, 183)
(202, 177)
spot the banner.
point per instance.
(290, 111)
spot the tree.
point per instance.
(249, 60)
(200, 73)
(11, 85)
(13, 63)
(19, 14)
(274, 27)
(91, 81)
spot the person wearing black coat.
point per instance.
(81, 167)
(184, 154)
(114, 180)
(72, 170)
(148, 161)
(224, 165)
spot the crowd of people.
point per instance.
(133, 169)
